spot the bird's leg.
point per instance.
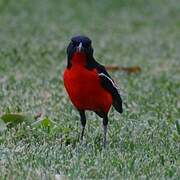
(83, 122)
(105, 123)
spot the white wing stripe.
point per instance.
(102, 74)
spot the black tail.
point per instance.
(117, 103)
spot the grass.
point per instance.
(144, 142)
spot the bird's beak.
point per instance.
(79, 48)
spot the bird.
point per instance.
(88, 84)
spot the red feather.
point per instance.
(84, 87)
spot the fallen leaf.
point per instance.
(129, 70)
(135, 69)
(14, 119)
(112, 67)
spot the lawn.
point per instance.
(143, 142)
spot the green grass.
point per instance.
(144, 142)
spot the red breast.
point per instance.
(84, 87)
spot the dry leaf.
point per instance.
(134, 69)
(112, 67)
(129, 70)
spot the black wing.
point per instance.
(110, 86)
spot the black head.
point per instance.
(79, 44)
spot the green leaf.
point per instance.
(14, 119)
(46, 122)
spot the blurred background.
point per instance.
(34, 36)
(143, 141)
